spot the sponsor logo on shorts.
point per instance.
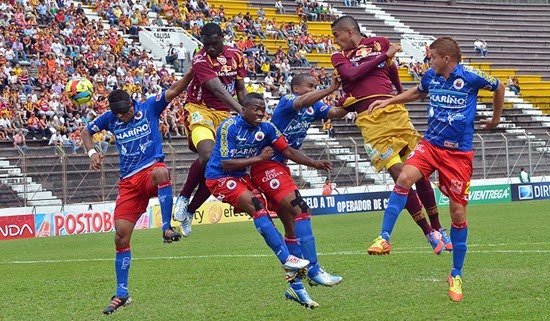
(387, 154)
(525, 192)
(259, 136)
(231, 184)
(371, 152)
(450, 144)
(456, 186)
(274, 184)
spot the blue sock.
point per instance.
(270, 234)
(306, 239)
(459, 235)
(166, 202)
(396, 203)
(123, 259)
(297, 284)
(293, 246)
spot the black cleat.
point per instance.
(117, 303)
(170, 236)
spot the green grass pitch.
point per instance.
(226, 272)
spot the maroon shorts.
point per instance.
(274, 180)
(134, 193)
(455, 168)
(230, 189)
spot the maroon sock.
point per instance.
(414, 208)
(195, 175)
(201, 195)
(427, 197)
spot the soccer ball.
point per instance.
(79, 90)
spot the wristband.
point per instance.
(91, 152)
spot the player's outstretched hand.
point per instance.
(489, 123)
(96, 160)
(336, 81)
(377, 104)
(266, 153)
(394, 48)
(323, 164)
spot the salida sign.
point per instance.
(16, 227)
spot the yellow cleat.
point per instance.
(455, 288)
(379, 247)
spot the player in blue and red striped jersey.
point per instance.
(447, 143)
(144, 175)
(242, 141)
(293, 117)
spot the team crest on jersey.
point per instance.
(222, 60)
(225, 68)
(363, 52)
(138, 115)
(458, 84)
(159, 96)
(231, 184)
(310, 111)
(259, 136)
(274, 183)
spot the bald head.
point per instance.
(346, 23)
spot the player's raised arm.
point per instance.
(241, 90)
(406, 97)
(95, 157)
(310, 98)
(298, 157)
(179, 86)
(217, 88)
(498, 103)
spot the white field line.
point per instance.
(405, 250)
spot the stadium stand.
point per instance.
(98, 40)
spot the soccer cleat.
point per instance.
(180, 209)
(323, 278)
(186, 225)
(379, 247)
(446, 240)
(455, 288)
(301, 296)
(436, 241)
(170, 236)
(117, 303)
(295, 268)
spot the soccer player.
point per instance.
(447, 143)
(292, 117)
(368, 73)
(143, 173)
(218, 74)
(240, 142)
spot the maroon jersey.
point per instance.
(373, 82)
(228, 67)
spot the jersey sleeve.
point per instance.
(158, 103)
(338, 59)
(241, 70)
(100, 123)
(286, 103)
(423, 87)
(202, 69)
(321, 110)
(226, 132)
(482, 80)
(274, 136)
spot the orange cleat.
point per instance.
(379, 247)
(455, 288)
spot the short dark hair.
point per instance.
(346, 21)
(298, 79)
(118, 95)
(211, 29)
(250, 97)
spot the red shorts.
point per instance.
(274, 180)
(134, 193)
(455, 169)
(230, 189)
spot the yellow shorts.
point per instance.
(199, 115)
(387, 132)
